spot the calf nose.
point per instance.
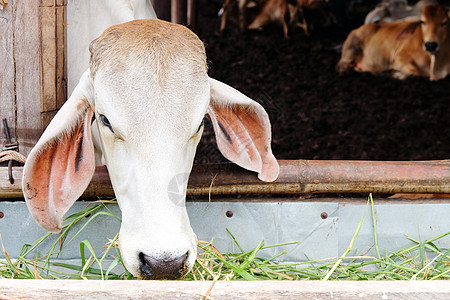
(153, 268)
(431, 46)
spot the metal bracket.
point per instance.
(11, 147)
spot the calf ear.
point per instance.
(61, 164)
(242, 129)
(408, 31)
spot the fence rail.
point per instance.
(296, 177)
(116, 289)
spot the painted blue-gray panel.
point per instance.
(18, 228)
(394, 222)
(272, 222)
(252, 222)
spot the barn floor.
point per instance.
(317, 113)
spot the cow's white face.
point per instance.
(148, 139)
(139, 110)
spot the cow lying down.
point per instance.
(416, 48)
(139, 110)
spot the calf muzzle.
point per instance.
(152, 268)
(431, 47)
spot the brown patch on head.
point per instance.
(435, 12)
(159, 44)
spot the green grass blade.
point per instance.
(349, 248)
(374, 226)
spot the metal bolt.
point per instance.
(1, 215)
(229, 213)
(324, 215)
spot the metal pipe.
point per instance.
(6, 129)
(322, 176)
(296, 177)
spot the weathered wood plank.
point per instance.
(40, 289)
(32, 77)
(47, 19)
(52, 35)
(27, 62)
(61, 55)
(52, 3)
(7, 99)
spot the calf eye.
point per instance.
(105, 122)
(445, 23)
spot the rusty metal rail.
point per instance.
(322, 176)
(296, 177)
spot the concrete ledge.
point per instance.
(41, 289)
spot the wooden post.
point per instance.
(192, 13)
(33, 67)
(179, 11)
(52, 19)
(7, 65)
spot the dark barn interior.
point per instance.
(317, 113)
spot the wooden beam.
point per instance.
(116, 289)
(296, 177)
(26, 55)
(33, 67)
(52, 18)
(7, 90)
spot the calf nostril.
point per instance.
(169, 268)
(146, 269)
(431, 46)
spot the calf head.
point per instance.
(138, 109)
(434, 26)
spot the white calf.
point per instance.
(139, 109)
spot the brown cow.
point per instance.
(227, 8)
(401, 46)
(290, 12)
(272, 11)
